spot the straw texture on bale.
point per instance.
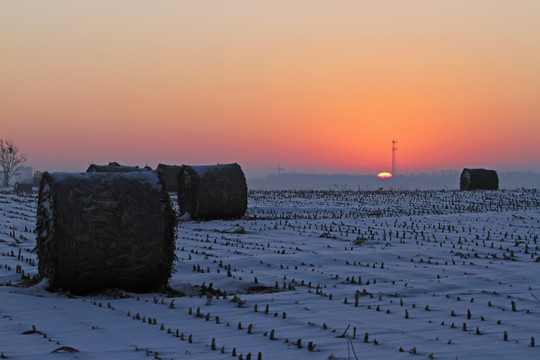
(212, 192)
(105, 230)
(169, 174)
(114, 167)
(479, 179)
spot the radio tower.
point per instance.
(394, 162)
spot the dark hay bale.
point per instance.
(169, 174)
(115, 167)
(105, 230)
(479, 179)
(20, 188)
(212, 192)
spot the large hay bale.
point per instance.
(169, 174)
(105, 230)
(212, 192)
(115, 167)
(22, 188)
(479, 179)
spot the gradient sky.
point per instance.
(314, 86)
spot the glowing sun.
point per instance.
(384, 175)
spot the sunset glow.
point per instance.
(384, 175)
(309, 85)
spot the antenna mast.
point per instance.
(394, 155)
(279, 169)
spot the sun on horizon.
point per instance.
(384, 175)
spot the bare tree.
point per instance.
(10, 159)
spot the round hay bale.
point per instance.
(115, 167)
(169, 174)
(21, 188)
(212, 192)
(105, 230)
(479, 179)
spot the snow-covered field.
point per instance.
(322, 275)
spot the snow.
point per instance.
(145, 177)
(443, 274)
(203, 169)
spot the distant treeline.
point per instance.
(444, 180)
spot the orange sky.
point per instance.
(314, 86)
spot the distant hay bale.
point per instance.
(104, 230)
(479, 179)
(212, 192)
(169, 174)
(115, 167)
(21, 188)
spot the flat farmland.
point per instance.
(306, 274)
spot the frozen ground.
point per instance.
(322, 275)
